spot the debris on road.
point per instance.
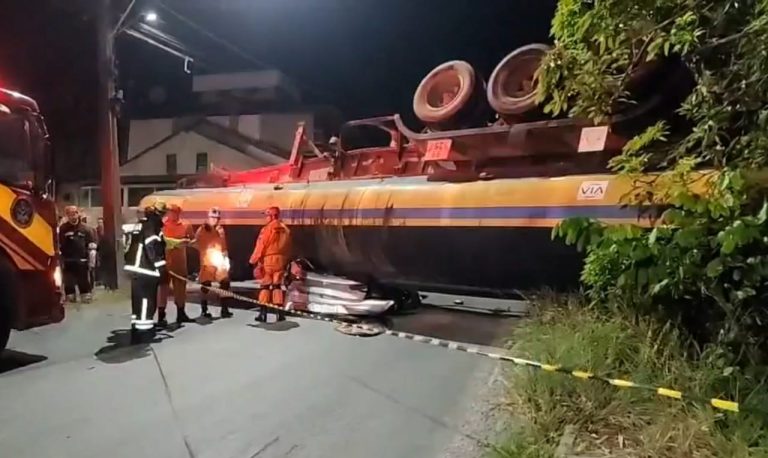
(332, 295)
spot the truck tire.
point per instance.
(512, 86)
(8, 298)
(451, 96)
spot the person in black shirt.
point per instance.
(76, 241)
(98, 275)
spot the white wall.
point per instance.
(275, 128)
(146, 132)
(249, 125)
(280, 129)
(186, 146)
(74, 191)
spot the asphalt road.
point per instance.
(234, 389)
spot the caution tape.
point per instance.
(344, 325)
(348, 328)
(721, 404)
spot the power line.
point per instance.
(213, 37)
(235, 49)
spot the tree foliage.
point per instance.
(705, 261)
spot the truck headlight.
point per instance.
(57, 278)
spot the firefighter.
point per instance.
(211, 242)
(145, 261)
(76, 243)
(270, 256)
(177, 234)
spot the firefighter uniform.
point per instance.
(180, 233)
(211, 242)
(76, 242)
(145, 261)
(271, 255)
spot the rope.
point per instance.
(721, 404)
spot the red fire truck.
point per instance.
(30, 276)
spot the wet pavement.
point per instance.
(232, 388)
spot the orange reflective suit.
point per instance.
(272, 250)
(176, 258)
(212, 245)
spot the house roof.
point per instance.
(140, 179)
(237, 141)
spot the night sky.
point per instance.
(364, 57)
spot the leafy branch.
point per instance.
(704, 262)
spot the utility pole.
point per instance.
(107, 144)
(108, 104)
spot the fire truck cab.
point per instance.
(30, 276)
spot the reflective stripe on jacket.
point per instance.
(146, 255)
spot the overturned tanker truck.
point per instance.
(464, 206)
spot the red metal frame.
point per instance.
(549, 147)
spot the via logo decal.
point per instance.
(592, 190)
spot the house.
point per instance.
(240, 121)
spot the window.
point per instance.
(89, 197)
(201, 162)
(95, 197)
(84, 198)
(170, 164)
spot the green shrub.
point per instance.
(682, 303)
(704, 266)
(704, 263)
(570, 332)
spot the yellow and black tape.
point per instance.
(226, 293)
(721, 404)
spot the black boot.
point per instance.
(225, 313)
(181, 316)
(262, 315)
(205, 313)
(161, 321)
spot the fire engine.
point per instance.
(30, 276)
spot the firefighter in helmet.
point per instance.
(270, 256)
(145, 261)
(177, 234)
(211, 242)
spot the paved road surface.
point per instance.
(230, 389)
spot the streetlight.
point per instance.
(151, 16)
(107, 126)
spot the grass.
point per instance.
(624, 422)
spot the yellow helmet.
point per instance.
(158, 207)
